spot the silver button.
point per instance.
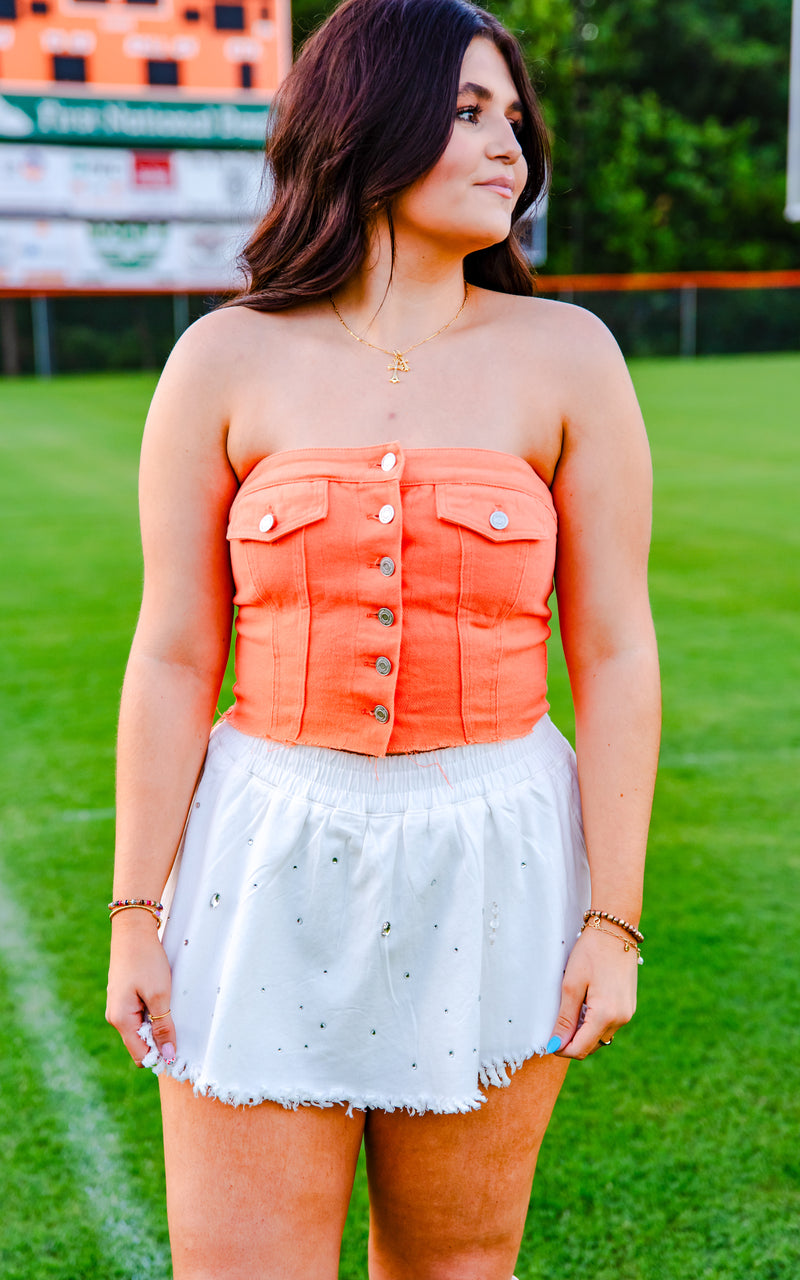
(388, 461)
(386, 617)
(387, 566)
(383, 666)
(498, 520)
(381, 714)
(386, 514)
(266, 522)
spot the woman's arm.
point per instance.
(602, 492)
(176, 664)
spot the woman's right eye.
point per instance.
(470, 114)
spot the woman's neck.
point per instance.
(397, 305)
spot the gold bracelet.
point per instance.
(628, 944)
(135, 906)
(612, 919)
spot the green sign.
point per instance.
(130, 245)
(36, 118)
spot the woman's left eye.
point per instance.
(472, 114)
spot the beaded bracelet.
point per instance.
(136, 902)
(135, 906)
(139, 904)
(623, 924)
(629, 946)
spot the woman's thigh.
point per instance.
(449, 1193)
(260, 1191)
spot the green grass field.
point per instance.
(676, 1157)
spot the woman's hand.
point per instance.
(600, 984)
(139, 984)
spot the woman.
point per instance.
(383, 873)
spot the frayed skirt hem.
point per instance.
(493, 1072)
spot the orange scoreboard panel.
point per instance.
(165, 48)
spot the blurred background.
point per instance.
(130, 173)
(131, 133)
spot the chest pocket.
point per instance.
(507, 540)
(266, 532)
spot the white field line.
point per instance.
(725, 758)
(126, 1232)
(87, 815)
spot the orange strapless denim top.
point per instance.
(390, 599)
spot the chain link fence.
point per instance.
(707, 314)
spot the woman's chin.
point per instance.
(488, 238)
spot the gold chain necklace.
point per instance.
(399, 362)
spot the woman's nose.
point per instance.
(505, 143)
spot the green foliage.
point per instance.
(669, 131)
(668, 193)
(307, 16)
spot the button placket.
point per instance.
(390, 521)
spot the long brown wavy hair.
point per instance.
(367, 109)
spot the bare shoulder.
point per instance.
(593, 384)
(562, 327)
(565, 362)
(210, 366)
(221, 345)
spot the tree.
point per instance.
(669, 130)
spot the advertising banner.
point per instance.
(49, 254)
(62, 118)
(117, 183)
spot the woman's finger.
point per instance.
(127, 1022)
(595, 1028)
(569, 1015)
(162, 1027)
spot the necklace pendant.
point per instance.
(398, 365)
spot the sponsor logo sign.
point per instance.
(64, 118)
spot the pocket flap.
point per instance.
(269, 512)
(497, 513)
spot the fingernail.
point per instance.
(552, 1044)
(168, 1053)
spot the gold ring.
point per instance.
(159, 1017)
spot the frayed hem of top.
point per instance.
(493, 1072)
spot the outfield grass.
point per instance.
(675, 1157)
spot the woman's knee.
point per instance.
(406, 1258)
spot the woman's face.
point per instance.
(467, 198)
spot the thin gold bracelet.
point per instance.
(135, 906)
(628, 944)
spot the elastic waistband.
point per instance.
(396, 783)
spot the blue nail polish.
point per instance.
(553, 1043)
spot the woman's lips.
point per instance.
(502, 188)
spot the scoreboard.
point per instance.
(133, 47)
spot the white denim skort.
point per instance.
(385, 932)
